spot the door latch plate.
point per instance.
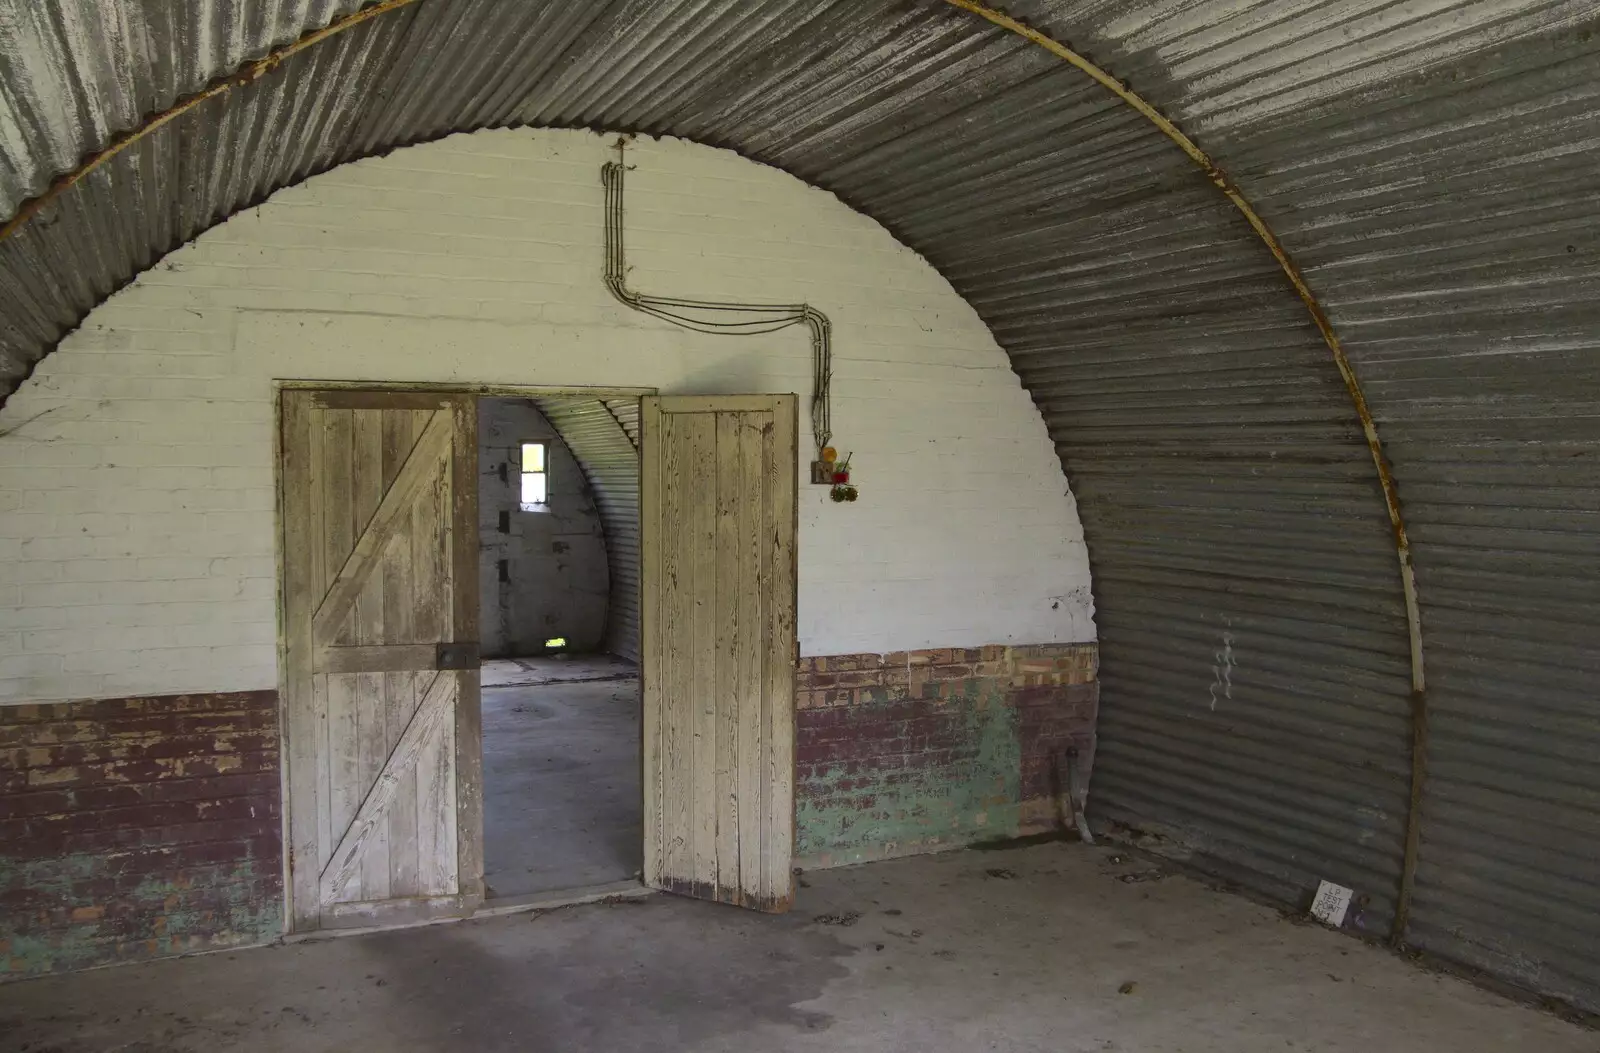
(457, 656)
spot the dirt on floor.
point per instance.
(1039, 948)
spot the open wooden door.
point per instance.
(718, 647)
(383, 751)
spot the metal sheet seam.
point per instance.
(1319, 317)
(244, 75)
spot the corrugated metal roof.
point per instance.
(1429, 163)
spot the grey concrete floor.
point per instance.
(561, 802)
(1040, 948)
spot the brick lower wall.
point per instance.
(136, 828)
(923, 750)
(143, 827)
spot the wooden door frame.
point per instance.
(279, 387)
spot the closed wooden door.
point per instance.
(718, 647)
(383, 748)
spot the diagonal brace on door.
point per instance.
(426, 459)
(425, 723)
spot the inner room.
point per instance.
(558, 482)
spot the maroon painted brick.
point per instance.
(869, 726)
(261, 785)
(848, 662)
(1051, 720)
(39, 802)
(137, 827)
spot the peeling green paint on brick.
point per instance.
(55, 928)
(924, 750)
(955, 777)
(137, 828)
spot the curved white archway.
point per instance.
(141, 519)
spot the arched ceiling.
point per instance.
(1428, 163)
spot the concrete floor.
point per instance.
(1041, 948)
(561, 805)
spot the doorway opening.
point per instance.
(558, 485)
(385, 498)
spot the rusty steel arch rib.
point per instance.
(246, 74)
(1319, 318)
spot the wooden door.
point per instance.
(380, 597)
(718, 647)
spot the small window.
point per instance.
(535, 478)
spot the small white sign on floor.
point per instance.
(1331, 904)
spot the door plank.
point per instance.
(679, 714)
(652, 593)
(322, 731)
(366, 627)
(372, 717)
(367, 489)
(399, 439)
(346, 783)
(677, 757)
(701, 698)
(304, 789)
(420, 468)
(337, 534)
(725, 640)
(401, 689)
(466, 789)
(781, 457)
(339, 762)
(434, 801)
(751, 791)
(424, 727)
(402, 692)
(429, 618)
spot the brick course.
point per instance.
(136, 828)
(142, 827)
(915, 751)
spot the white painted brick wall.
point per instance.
(136, 502)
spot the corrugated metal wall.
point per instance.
(596, 432)
(1254, 649)
(1428, 162)
(1473, 313)
(1432, 167)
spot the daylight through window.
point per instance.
(535, 478)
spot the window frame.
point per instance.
(542, 473)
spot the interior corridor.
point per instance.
(560, 773)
